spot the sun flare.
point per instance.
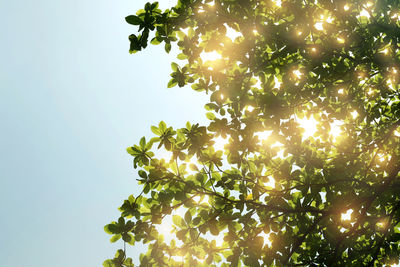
(347, 215)
(210, 56)
(309, 125)
(220, 142)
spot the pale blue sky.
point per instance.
(71, 100)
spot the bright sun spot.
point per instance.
(249, 108)
(220, 142)
(354, 114)
(335, 129)
(212, 3)
(201, 199)
(232, 33)
(297, 73)
(341, 91)
(280, 152)
(396, 133)
(166, 226)
(262, 136)
(270, 184)
(365, 13)
(277, 83)
(389, 82)
(319, 26)
(329, 19)
(278, 3)
(177, 258)
(346, 7)
(210, 56)
(266, 239)
(309, 125)
(164, 154)
(347, 216)
(384, 51)
(340, 40)
(258, 82)
(381, 157)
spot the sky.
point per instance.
(71, 100)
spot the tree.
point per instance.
(299, 165)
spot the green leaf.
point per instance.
(188, 217)
(174, 66)
(172, 83)
(134, 20)
(210, 115)
(168, 47)
(182, 56)
(178, 221)
(115, 238)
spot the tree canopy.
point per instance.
(299, 164)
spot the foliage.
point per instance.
(299, 164)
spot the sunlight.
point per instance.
(270, 184)
(328, 19)
(395, 16)
(347, 216)
(201, 199)
(381, 157)
(280, 152)
(354, 114)
(297, 73)
(192, 161)
(177, 258)
(262, 136)
(364, 13)
(346, 7)
(166, 226)
(389, 83)
(369, 4)
(341, 91)
(319, 26)
(232, 33)
(164, 154)
(258, 82)
(211, 4)
(340, 40)
(266, 238)
(277, 3)
(309, 125)
(382, 224)
(210, 56)
(384, 51)
(185, 31)
(249, 108)
(335, 129)
(396, 133)
(220, 142)
(277, 83)
(219, 239)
